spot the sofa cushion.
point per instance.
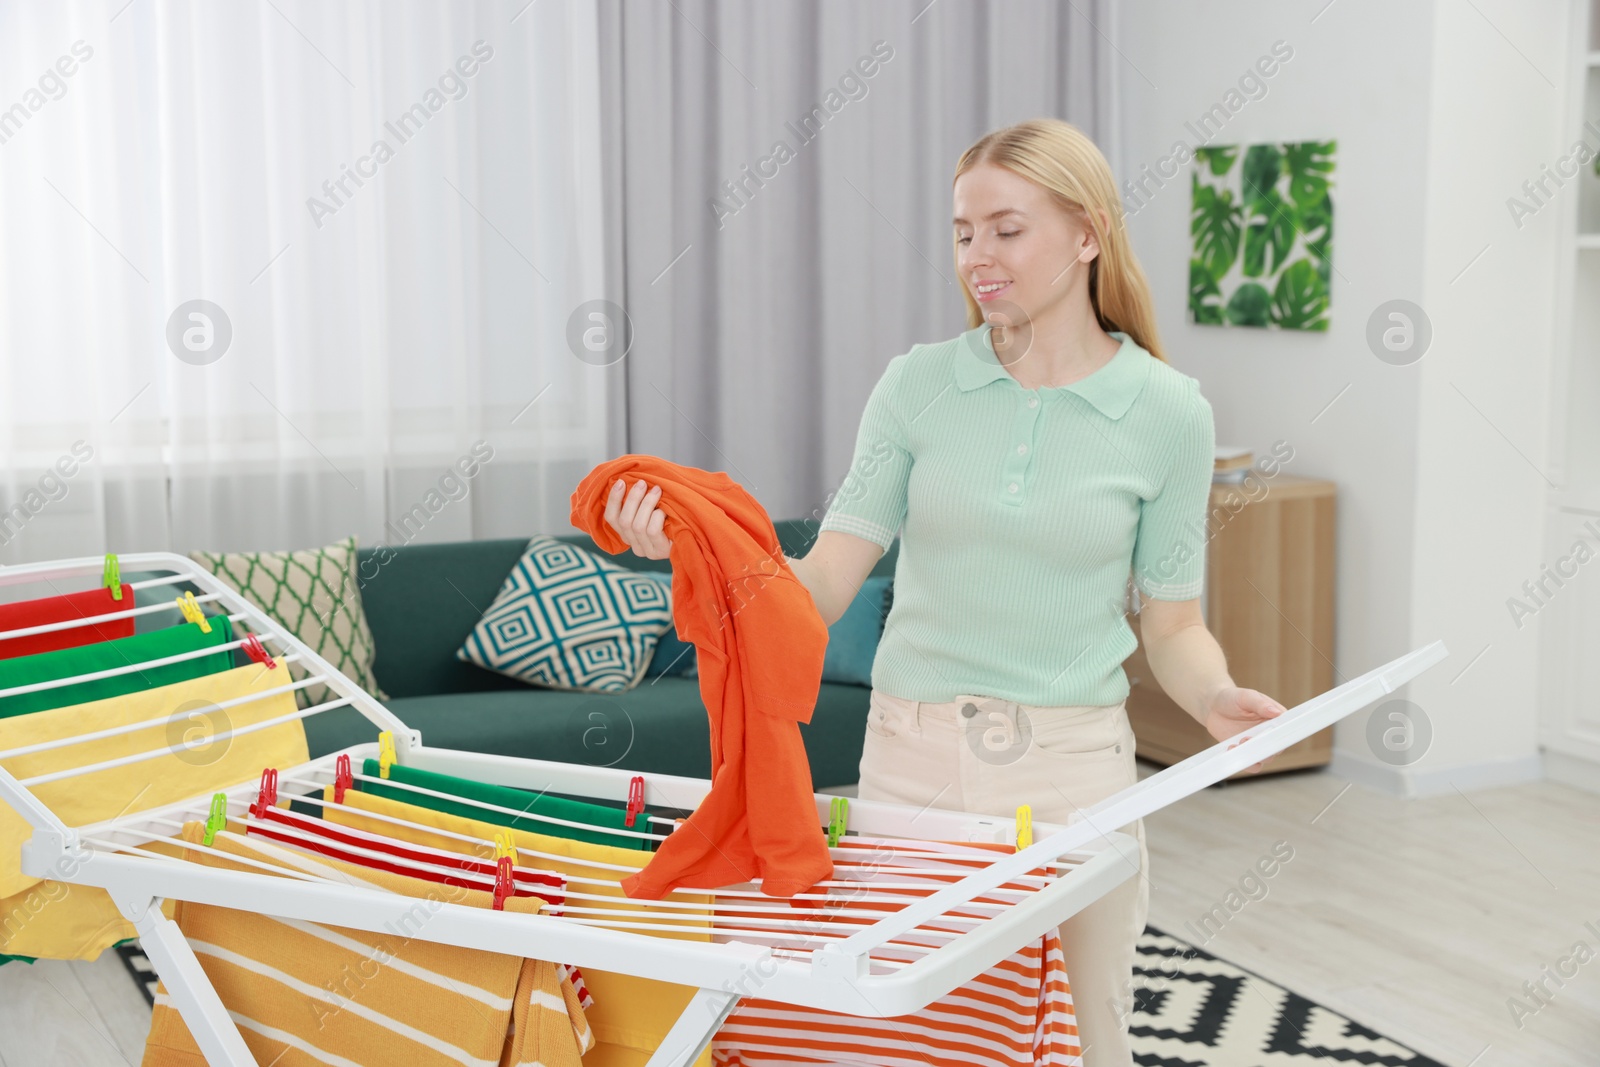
(570, 619)
(313, 593)
(421, 601)
(659, 726)
(673, 655)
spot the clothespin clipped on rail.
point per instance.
(1024, 827)
(635, 799)
(217, 820)
(838, 815)
(268, 795)
(342, 778)
(386, 756)
(504, 887)
(257, 651)
(191, 611)
(111, 577)
(505, 846)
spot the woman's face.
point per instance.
(1012, 238)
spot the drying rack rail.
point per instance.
(886, 961)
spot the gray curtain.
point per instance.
(762, 317)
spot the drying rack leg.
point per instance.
(188, 987)
(702, 1017)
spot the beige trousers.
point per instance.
(986, 755)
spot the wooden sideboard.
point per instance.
(1268, 600)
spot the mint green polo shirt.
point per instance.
(1024, 513)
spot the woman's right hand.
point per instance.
(637, 520)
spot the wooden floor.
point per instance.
(1420, 919)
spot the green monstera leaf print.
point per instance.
(1214, 225)
(1300, 299)
(1205, 299)
(1268, 235)
(1219, 159)
(1263, 164)
(1316, 229)
(1261, 228)
(1248, 305)
(1308, 164)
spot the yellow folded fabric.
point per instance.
(83, 922)
(306, 993)
(64, 921)
(630, 1015)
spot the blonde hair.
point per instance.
(1060, 158)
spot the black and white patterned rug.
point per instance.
(1191, 1009)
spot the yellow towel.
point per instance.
(306, 993)
(630, 1015)
(539, 1034)
(81, 921)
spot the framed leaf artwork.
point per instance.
(1261, 225)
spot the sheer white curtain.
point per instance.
(385, 309)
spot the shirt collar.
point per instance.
(1111, 389)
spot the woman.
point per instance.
(1036, 462)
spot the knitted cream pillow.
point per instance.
(314, 595)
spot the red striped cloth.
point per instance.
(1017, 1013)
(354, 846)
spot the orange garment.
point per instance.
(759, 641)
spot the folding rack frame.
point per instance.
(1085, 858)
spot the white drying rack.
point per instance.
(895, 965)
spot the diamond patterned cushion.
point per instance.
(568, 619)
(315, 596)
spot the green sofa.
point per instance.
(421, 602)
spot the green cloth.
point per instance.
(1025, 511)
(105, 655)
(597, 815)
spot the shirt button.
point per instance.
(1022, 450)
(1033, 401)
(1012, 488)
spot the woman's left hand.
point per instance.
(1234, 710)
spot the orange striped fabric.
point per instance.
(304, 993)
(1017, 1013)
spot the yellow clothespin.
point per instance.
(191, 611)
(111, 577)
(505, 846)
(386, 756)
(1024, 827)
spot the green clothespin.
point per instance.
(218, 819)
(838, 812)
(111, 577)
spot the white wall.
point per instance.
(1497, 114)
(1435, 127)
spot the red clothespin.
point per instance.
(257, 651)
(635, 799)
(503, 885)
(268, 796)
(342, 778)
